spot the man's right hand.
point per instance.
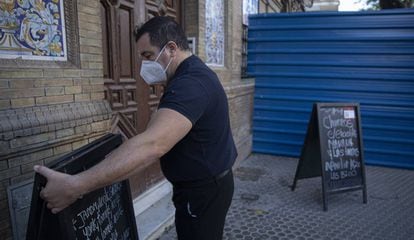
(61, 189)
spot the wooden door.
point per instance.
(119, 60)
(127, 94)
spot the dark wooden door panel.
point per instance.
(125, 91)
(125, 16)
(151, 96)
(119, 58)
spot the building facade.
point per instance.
(69, 73)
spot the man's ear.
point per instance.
(172, 48)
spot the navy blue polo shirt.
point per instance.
(208, 149)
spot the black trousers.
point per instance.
(201, 209)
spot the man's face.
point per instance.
(150, 52)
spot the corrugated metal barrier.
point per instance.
(366, 57)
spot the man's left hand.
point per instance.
(60, 190)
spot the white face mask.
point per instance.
(152, 72)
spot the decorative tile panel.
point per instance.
(33, 30)
(249, 7)
(214, 39)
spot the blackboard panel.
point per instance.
(103, 214)
(341, 150)
(87, 156)
(333, 149)
(310, 158)
(106, 213)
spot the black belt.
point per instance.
(201, 182)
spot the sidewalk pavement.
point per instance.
(265, 208)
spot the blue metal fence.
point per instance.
(366, 57)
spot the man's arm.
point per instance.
(166, 128)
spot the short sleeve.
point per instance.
(186, 96)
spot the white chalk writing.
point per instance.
(99, 219)
(342, 146)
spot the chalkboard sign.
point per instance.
(333, 149)
(106, 213)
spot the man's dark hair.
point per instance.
(161, 30)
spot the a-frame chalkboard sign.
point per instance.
(106, 213)
(333, 149)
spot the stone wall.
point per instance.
(240, 99)
(51, 108)
(239, 91)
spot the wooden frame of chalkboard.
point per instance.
(333, 149)
(106, 213)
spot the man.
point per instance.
(190, 133)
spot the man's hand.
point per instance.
(61, 189)
(166, 128)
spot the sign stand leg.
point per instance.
(324, 197)
(299, 167)
(364, 194)
(294, 185)
(295, 180)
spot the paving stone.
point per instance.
(264, 207)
